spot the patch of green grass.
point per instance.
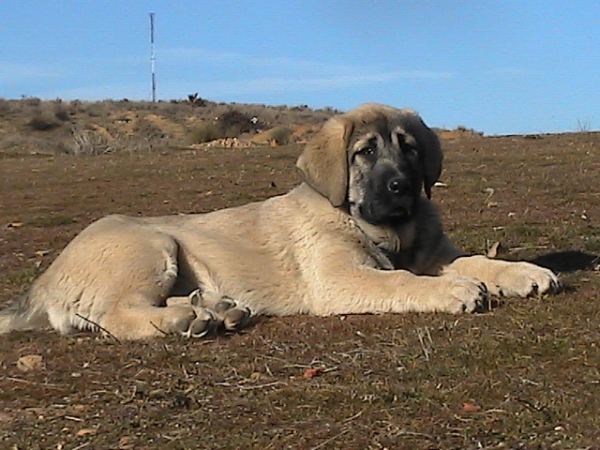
(21, 279)
(51, 221)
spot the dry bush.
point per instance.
(466, 130)
(583, 126)
(62, 111)
(32, 102)
(6, 108)
(234, 122)
(95, 142)
(43, 120)
(88, 142)
(204, 133)
(196, 101)
(280, 135)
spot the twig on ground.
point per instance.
(20, 380)
(413, 433)
(331, 439)
(250, 387)
(82, 446)
(108, 333)
(424, 345)
(158, 329)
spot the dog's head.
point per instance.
(377, 159)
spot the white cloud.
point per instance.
(283, 64)
(11, 72)
(223, 89)
(203, 56)
(102, 92)
(316, 75)
(511, 72)
(219, 90)
(176, 79)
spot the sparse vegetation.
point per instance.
(583, 126)
(126, 125)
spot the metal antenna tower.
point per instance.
(152, 57)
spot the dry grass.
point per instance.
(522, 376)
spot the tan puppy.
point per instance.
(356, 237)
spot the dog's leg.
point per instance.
(145, 321)
(115, 277)
(231, 313)
(350, 288)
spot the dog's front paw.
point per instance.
(523, 279)
(456, 294)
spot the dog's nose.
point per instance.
(397, 186)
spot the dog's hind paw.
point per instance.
(234, 316)
(227, 311)
(202, 323)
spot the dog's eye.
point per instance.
(408, 149)
(366, 151)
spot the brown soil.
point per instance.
(522, 376)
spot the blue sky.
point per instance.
(500, 67)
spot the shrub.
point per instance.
(196, 101)
(43, 120)
(87, 142)
(204, 133)
(61, 111)
(6, 108)
(233, 123)
(583, 126)
(280, 135)
(32, 102)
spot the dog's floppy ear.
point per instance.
(324, 161)
(430, 149)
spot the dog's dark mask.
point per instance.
(373, 160)
(389, 176)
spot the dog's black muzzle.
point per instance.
(391, 196)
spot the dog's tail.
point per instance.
(22, 315)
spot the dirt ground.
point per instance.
(523, 376)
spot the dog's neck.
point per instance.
(386, 237)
